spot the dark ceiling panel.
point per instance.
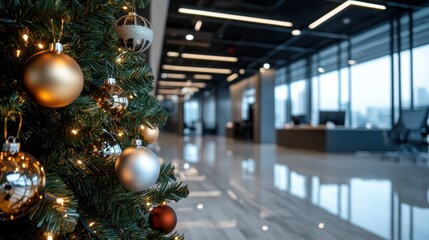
(254, 44)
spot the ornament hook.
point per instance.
(61, 30)
(5, 124)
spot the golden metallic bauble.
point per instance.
(22, 182)
(53, 78)
(150, 135)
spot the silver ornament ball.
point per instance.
(112, 98)
(137, 168)
(107, 145)
(22, 181)
(135, 32)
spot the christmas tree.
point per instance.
(73, 107)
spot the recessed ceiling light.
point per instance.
(235, 17)
(209, 57)
(232, 77)
(296, 32)
(262, 70)
(196, 69)
(242, 71)
(341, 7)
(198, 25)
(267, 66)
(189, 37)
(173, 54)
(320, 70)
(203, 77)
(164, 75)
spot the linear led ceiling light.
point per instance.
(203, 77)
(173, 54)
(173, 75)
(180, 84)
(232, 77)
(198, 25)
(235, 17)
(196, 69)
(341, 7)
(209, 57)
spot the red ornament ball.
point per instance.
(163, 219)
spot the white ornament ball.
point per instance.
(135, 32)
(137, 168)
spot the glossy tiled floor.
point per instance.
(241, 190)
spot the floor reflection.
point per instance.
(241, 190)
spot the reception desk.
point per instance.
(334, 140)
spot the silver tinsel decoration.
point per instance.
(135, 32)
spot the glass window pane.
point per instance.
(405, 79)
(315, 100)
(421, 76)
(329, 91)
(371, 93)
(298, 97)
(281, 96)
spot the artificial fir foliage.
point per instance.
(82, 199)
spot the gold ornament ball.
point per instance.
(53, 78)
(150, 135)
(22, 182)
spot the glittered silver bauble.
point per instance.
(135, 32)
(52, 78)
(150, 135)
(112, 98)
(137, 169)
(22, 181)
(107, 145)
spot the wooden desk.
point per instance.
(333, 140)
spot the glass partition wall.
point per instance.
(370, 77)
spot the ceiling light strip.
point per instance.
(330, 14)
(232, 77)
(169, 91)
(198, 25)
(203, 77)
(343, 6)
(209, 57)
(180, 84)
(368, 5)
(196, 69)
(235, 17)
(174, 75)
(173, 54)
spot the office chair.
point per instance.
(410, 135)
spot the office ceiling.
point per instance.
(255, 44)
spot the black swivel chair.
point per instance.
(410, 134)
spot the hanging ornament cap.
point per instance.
(111, 81)
(137, 142)
(57, 47)
(11, 146)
